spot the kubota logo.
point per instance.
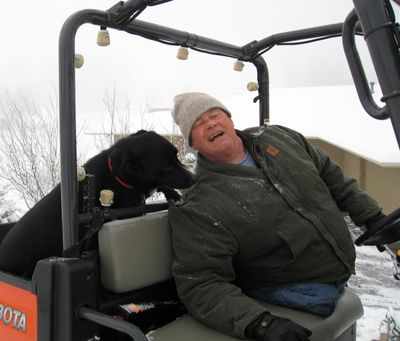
(13, 317)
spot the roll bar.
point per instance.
(382, 38)
(122, 16)
(357, 70)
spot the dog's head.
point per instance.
(148, 159)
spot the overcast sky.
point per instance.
(139, 69)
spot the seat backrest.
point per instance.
(136, 252)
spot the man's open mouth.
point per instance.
(214, 136)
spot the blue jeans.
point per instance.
(316, 298)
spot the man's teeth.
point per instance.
(214, 136)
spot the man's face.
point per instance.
(213, 133)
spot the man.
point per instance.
(263, 223)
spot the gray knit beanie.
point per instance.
(189, 106)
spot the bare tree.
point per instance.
(115, 123)
(119, 123)
(29, 142)
(29, 147)
(8, 212)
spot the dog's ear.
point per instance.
(125, 162)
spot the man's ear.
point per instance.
(191, 143)
(193, 146)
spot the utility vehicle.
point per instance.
(73, 298)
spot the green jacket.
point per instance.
(242, 227)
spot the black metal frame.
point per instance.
(373, 16)
(122, 17)
(381, 35)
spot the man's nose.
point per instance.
(210, 123)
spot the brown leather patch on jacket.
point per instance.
(271, 150)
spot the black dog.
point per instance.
(133, 168)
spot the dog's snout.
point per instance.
(194, 178)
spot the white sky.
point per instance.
(137, 68)
(147, 74)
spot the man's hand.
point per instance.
(273, 328)
(388, 234)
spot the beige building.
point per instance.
(333, 119)
(380, 180)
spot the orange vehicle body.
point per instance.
(18, 314)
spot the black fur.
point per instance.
(145, 161)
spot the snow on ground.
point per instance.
(377, 288)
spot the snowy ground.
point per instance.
(377, 289)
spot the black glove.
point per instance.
(273, 328)
(382, 230)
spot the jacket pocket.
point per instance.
(284, 255)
